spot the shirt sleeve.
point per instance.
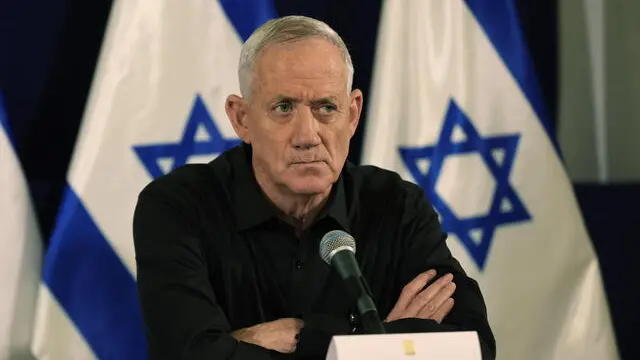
(426, 248)
(316, 335)
(181, 317)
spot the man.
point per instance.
(227, 252)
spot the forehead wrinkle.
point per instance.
(302, 92)
(314, 64)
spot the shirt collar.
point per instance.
(336, 206)
(251, 207)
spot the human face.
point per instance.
(301, 116)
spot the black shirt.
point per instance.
(213, 257)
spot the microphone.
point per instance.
(337, 248)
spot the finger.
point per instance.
(292, 347)
(286, 344)
(437, 301)
(422, 299)
(443, 311)
(409, 291)
(291, 324)
(296, 340)
(414, 287)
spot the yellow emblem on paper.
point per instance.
(409, 348)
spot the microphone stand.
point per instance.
(356, 286)
(371, 323)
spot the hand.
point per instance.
(433, 303)
(279, 335)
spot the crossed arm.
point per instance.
(183, 320)
(433, 302)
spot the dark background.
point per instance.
(48, 52)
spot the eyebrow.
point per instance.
(280, 98)
(324, 100)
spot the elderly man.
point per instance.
(227, 252)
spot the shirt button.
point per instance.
(299, 264)
(353, 321)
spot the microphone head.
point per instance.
(335, 241)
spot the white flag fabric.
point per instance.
(455, 107)
(20, 252)
(156, 103)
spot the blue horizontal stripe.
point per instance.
(248, 15)
(4, 121)
(499, 19)
(93, 286)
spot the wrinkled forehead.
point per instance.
(307, 66)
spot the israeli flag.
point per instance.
(20, 252)
(156, 103)
(456, 108)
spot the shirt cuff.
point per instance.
(317, 333)
(411, 325)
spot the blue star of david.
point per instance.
(500, 169)
(179, 153)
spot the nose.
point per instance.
(306, 134)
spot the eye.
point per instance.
(283, 108)
(327, 109)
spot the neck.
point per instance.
(297, 209)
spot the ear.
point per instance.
(237, 109)
(355, 109)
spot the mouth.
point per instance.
(307, 162)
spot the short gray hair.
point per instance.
(284, 30)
